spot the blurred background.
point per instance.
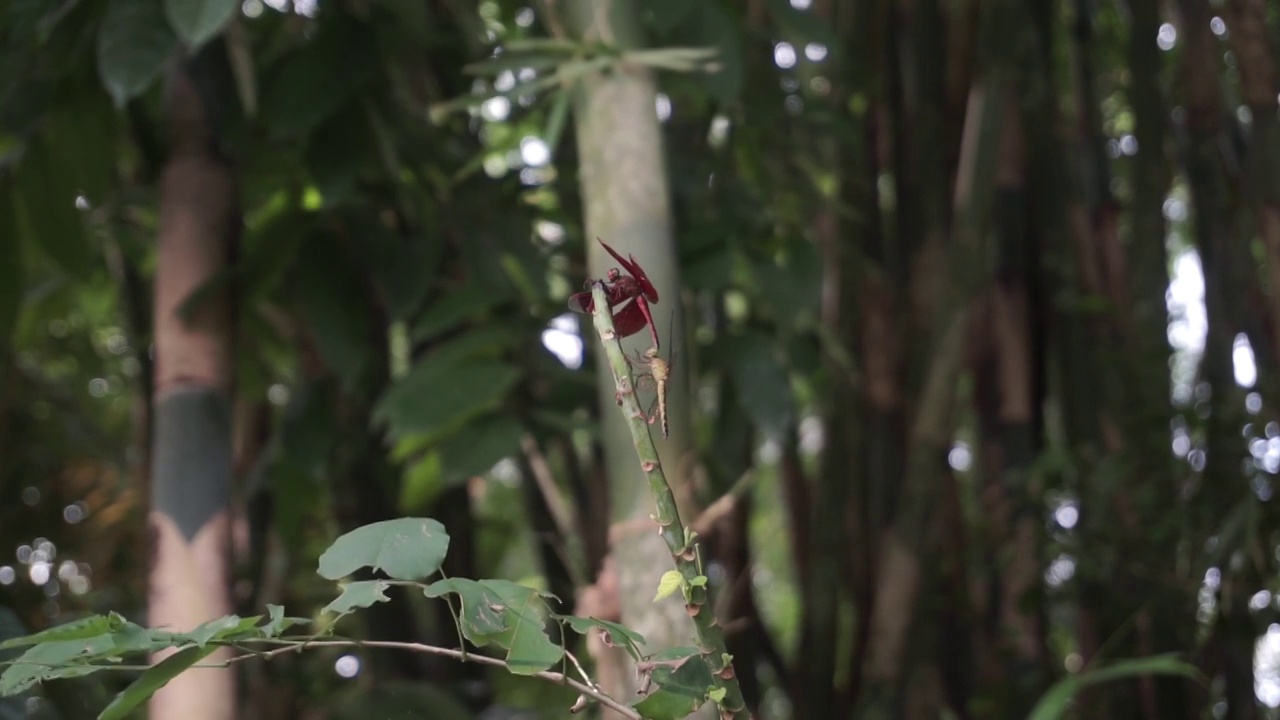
(974, 307)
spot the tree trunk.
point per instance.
(626, 201)
(191, 455)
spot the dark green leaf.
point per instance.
(222, 628)
(330, 292)
(199, 20)
(154, 678)
(436, 397)
(360, 594)
(21, 676)
(506, 614)
(338, 151)
(47, 209)
(667, 705)
(721, 31)
(134, 42)
(278, 622)
(404, 269)
(483, 341)
(479, 446)
(82, 134)
(760, 381)
(53, 659)
(89, 627)
(615, 634)
(459, 304)
(1054, 703)
(682, 679)
(556, 120)
(310, 84)
(404, 549)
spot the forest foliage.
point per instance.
(975, 320)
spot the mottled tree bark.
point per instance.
(191, 452)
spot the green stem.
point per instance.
(684, 552)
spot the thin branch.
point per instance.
(683, 549)
(722, 506)
(296, 646)
(543, 477)
(555, 677)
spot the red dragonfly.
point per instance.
(632, 292)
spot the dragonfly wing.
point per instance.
(633, 268)
(581, 302)
(630, 320)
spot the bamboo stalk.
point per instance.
(684, 549)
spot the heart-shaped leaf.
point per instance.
(404, 549)
(199, 20)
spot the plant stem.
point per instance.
(555, 677)
(684, 552)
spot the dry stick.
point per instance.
(683, 552)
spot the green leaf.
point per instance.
(404, 549)
(89, 627)
(278, 623)
(404, 269)
(55, 659)
(222, 628)
(556, 120)
(438, 396)
(134, 42)
(670, 582)
(20, 676)
(717, 694)
(82, 133)
(310, 84)
(199, 20)
(1054, 703)
(761, 383)
(154, 678)
(614, 634)
(470, 302)
(338, 151)
(477, 447)
(682, 679)
(666, 705)
(360, 594)
(721, 31)
(46, 192)
(506, 614)
(326, 285)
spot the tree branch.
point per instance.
(684, 552)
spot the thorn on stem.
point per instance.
(648, 466)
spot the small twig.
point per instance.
(722, 506)
(585, 677)
(546, 483)
(588, 688)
